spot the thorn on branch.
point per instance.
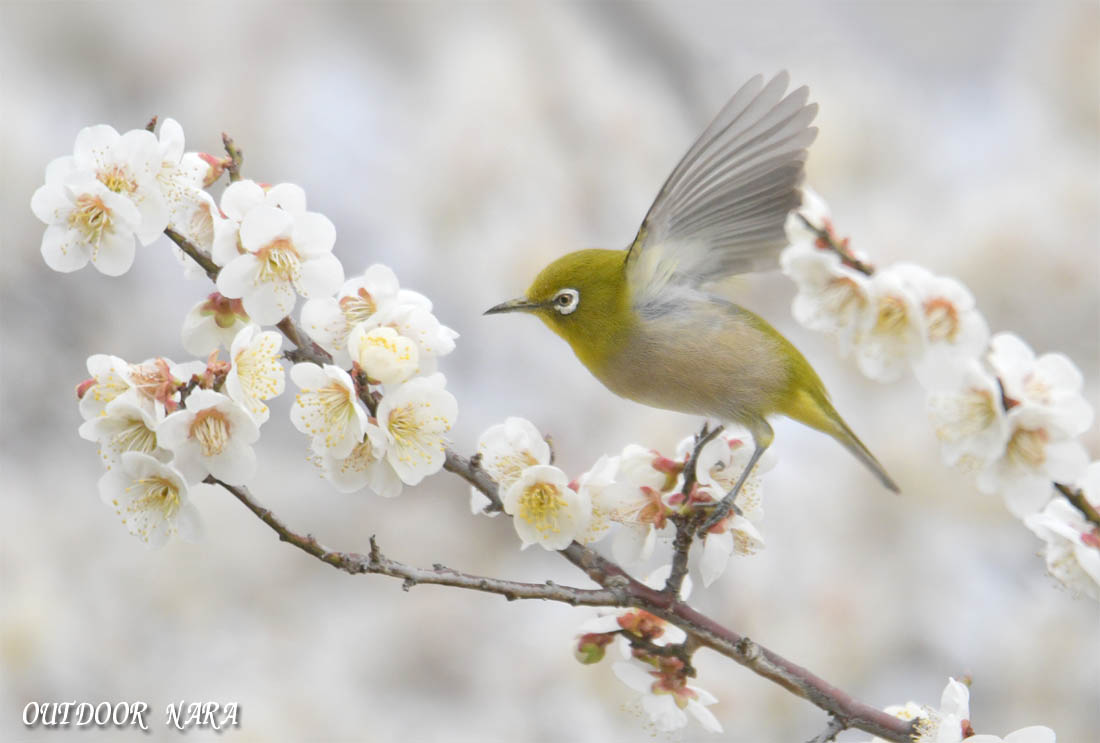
(834, 727)
(152, 125)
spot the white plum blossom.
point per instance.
(415, 418)
(214, 435)
(667, 698)
(951, 721)
(969, 418)
(386, 356)
(105, 384)
(212, 323)
(417, 323)
(281, 250)
(255, 373)
(1045, 411)
(890, 335)
(96, 201)
(327, 409)
(832, 297)
(123, 426)
(636, 500)
(180, 177)
(506, 450)
(1072, 550)
(545, 510)
(127, 164)
(364, 467)
(155, 383)
(1051, 383)
(152, 499)
(952, 330)
(1036, 454)
(197, 218)
(597, 484)
(329, 320)
(86, 221)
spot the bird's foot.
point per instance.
(721, 510)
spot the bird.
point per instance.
(649, 322)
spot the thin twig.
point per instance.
(706, 632)
(194, 252)
(687, 524)
(378, 564)
(236, 157)
(827, 241)
(833, 728)
(1076, 497)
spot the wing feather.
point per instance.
(723, 208)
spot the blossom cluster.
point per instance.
(1008, 417)
(376, 417)
(163, 427)
(637, 494)
(385, 422)
(950, 722)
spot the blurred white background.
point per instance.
(466, 145)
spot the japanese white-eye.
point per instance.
(646, 321)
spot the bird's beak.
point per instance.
(522, 304)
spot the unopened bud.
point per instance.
(214, 172)
(592, 647)
(83, 387)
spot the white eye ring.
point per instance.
(566, 301)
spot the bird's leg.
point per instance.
(762, 436)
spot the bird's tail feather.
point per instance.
(820, 414)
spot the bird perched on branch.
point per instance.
(643, 320)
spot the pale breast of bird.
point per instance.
(727, 363)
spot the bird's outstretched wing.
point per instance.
(723, 208)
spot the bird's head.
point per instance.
(581, 296)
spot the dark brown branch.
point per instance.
(378, 564)
(706, 632)
(306, 349)
(1076, 497)
(194, 252)
(687, 524)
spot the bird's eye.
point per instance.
(566, 301)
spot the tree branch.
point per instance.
(618, 589)
(236, 157)
(709, 633)
(687, 524)
(196, 254)
(833, 728)
(378, 564)
(1076, 497)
